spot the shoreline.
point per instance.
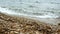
(12, 25)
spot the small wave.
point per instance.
(11, 12)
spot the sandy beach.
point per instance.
(13, 25)
(29, 16)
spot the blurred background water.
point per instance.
(33, 7)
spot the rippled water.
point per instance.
(35, 8)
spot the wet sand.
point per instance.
(20, 25)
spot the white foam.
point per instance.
(6, 11)
(49, 15)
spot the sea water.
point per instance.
(32, 8)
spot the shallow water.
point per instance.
(38, 8)
(32, 8)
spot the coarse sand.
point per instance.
(20, 25)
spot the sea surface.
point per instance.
(33, 8)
